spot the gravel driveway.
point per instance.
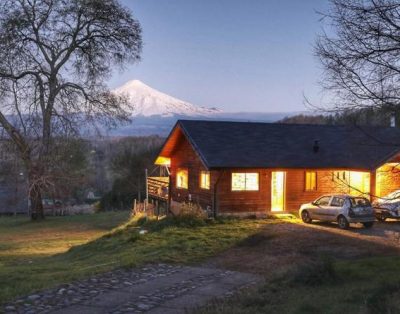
(154, 289)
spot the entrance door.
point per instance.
(278, 191)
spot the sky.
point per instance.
(236, 55)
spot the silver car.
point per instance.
(388, 206)
(343, 209)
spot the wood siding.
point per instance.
(229, 201)
(387, 179)
(245, 202)
(295, 193)
(185, 157)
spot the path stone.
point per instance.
(152, 289)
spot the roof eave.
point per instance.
(194, 145)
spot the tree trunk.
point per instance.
(35, 198)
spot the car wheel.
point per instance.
(381, 217)
(342, 222)
(305, 216)
(368, 224)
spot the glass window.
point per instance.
(311, 181)
(340, 176)
(182, 178)
(359, 202)
(337, 202)
(245, 181)
(205, 180)
(323, 201)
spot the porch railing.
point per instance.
(157, 187)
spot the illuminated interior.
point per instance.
(245, 181)
(163, 161)
(205, 180)
(182, 178)
(356, 183)
(278, 191)
(359, 183)
(311, 181)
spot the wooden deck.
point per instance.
(158, 187)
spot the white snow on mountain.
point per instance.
(146, 101)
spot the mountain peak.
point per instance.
(148, 101)
(134, 83)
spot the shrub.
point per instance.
(179, 221)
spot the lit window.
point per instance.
(182, 178)
(244, 181)
(311, 181)
(340, 176)
(359, 183)
(205, 180)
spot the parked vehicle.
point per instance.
(343, 209)
(388, 206)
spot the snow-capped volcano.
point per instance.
(147, 101)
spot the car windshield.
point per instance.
(359, 201)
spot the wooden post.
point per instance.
(147, 191)
(157, 208)
(169, 195)
(372, 185)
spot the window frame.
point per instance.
(187, 178)
(245, 180)
(305, 181)
(208, 173)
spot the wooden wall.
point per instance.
(185, 157)
(387, 179)
(260, 201)
(245, 202)
(296, 195)
(229, 201)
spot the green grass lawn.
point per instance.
(38, 255)
(368, 285)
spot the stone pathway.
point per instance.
(158, 288)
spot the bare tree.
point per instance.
(54, 58)
(360, 54)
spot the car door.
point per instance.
(335, 207)
(321, 208)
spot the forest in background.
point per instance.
(110, 171)
(363, 116)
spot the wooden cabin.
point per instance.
(242, 168)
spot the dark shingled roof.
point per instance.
(223, 144)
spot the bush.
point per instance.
(180, 221)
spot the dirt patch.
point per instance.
(280, 246)
(255, 240)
